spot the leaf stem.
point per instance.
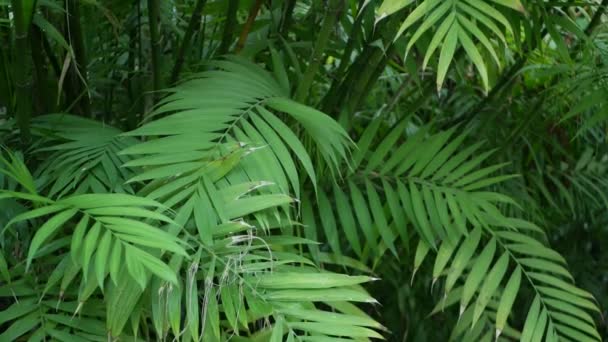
(253, 13)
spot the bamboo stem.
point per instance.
(233, 6)
(327, 27)
(253, 13)
(372, 79)
(40, 72)
(131, 115)
(363, 73)
(340, 87)
(350, 44)
(23, 79)
(193, 25)
(155, 46)
(287, 18)
(78, 69)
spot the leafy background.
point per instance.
(412, 170)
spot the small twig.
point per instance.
(253, 13)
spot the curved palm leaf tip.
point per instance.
(81, 161)
(455, 23)
(220, 164)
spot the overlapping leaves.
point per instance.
(233, 105)
(455, 22)
(430, 181)
(83, 156)
(492, 275)
(228, 263)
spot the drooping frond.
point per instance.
(83, 156)
(110, 228)
(495, 272)
(439, 187)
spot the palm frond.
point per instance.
(83, 156)
(458, 22)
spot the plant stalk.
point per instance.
(155, 45)
(22, 75)
(233, 6)
(350, 44)
(329, 21)
(287, 17)
(193, 26)
(40, 72)
(48, 51)
(78, 69)
(253, 13)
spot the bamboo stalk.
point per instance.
(233, 6)
(41, 102)
(361, 74)
(78, 69)
(253, 13)
(140, 104)
(201, 40)
(369, 83)
(340, 88)
(154, 23)
(6, 83)
(23, 79)
(287, 17)
(350, 44)
(131, 115)
(327, 27)
(193, 25)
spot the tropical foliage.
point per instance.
(321, 170)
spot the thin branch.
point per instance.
(253, 13)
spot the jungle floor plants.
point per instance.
(303, 170)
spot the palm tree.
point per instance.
(303, 170)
